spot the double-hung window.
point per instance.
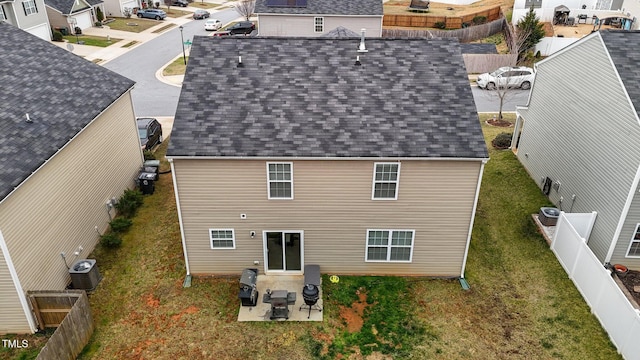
(318, 24)
(390, 245)
(634, 247)
(385, 181)
(222, 238)
(280, 180)
(29, 7)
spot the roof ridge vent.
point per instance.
(362, 48)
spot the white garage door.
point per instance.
(83, 20)
(130, 4)
(42, 31)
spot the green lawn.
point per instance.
(521, 304)
(132, 24)
(177, 67)
(91, 40)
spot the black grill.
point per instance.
(311, 291)
(248, 292)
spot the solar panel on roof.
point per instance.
(287, 3)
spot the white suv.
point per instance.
(507, 77)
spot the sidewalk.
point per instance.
(101, 55)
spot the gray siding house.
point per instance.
(310, 18)
(361, 162)
(73, 13)
(68, 144)
(579, 133)
(28, 15)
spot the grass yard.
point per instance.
(91, 40)
(177, 67)
(521, 304)
(132, 24)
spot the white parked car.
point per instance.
(212, 24)
(507, 77)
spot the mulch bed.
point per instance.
(631, 281)
(499, 123)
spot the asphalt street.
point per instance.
(152, 97)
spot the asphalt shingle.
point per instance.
(61, 92)
(623, 49)
(305, 97)
(325, 7)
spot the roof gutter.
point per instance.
(289, 158)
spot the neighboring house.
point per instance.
(28, 15)
(363, 162)
(73, 13)
(68, 145)
(311, 18)
(578, 138)
(117, 8)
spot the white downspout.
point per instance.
(473, 217)
(175, 189)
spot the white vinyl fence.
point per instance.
(600, 291)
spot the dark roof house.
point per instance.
(317, 17)
(68, 145)
(332, 146)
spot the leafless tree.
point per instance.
(168, 3)
(245, 8)
(515, 39)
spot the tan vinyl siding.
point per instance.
(332, 205)
(582, 132)
(57, 209)
(303, 25)
(12, 317)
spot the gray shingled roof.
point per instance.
(623, 49)
(64, 6)
(60, 91)
(325, 7)
(341, 32)
(304, 97)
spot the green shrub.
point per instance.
(479, 20)
(440, 25)
(502, 141)
(99, 14)
(57, 36)
(149, 155)
(110, 240)
(120, 224)
(129, 203)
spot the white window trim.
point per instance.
(269, 181)
(373, 185)
(633, 240)
(389, 246)
(315, 24)
(30, 7)
(233, 239)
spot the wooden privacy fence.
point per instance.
(430, 21)
(465, 35)
(68, 311)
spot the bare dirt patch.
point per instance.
(632, 282)
(353, 315)
(401, 7)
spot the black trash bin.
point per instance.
(146, 182)
(77, 30)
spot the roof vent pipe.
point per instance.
(358, 63)
(27, 117)
(240, 61)
(362, 48)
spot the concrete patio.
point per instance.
(291, 283)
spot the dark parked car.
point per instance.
(150, 133)
(201, 14)
(183, 3)
(152, 14)
(243, 27)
